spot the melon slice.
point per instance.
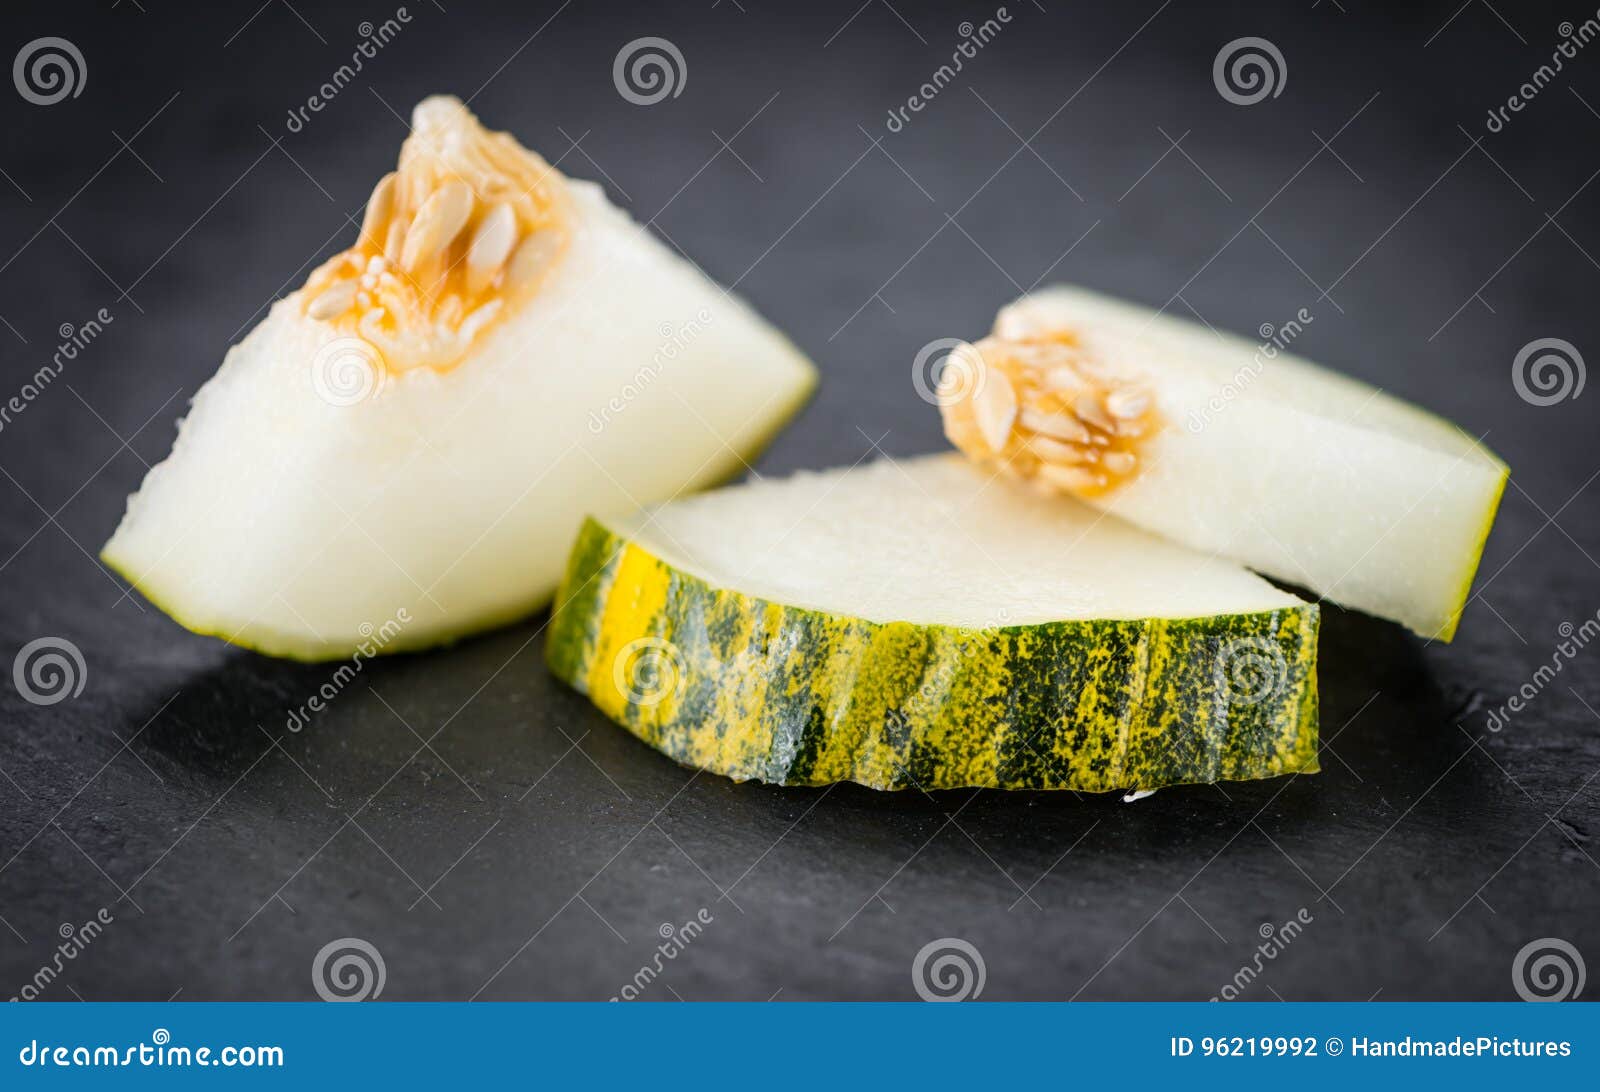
(403, 450)
(1231, 447)
(924, 624)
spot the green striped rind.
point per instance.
(758, 690)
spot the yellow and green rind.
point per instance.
(756, 690)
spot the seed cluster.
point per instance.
(1040, 405)
(467, 227)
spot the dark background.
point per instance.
(532, 849)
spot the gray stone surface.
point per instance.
(532, 849)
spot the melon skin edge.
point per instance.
(757, 690)
(290, 647)
(1447, 630)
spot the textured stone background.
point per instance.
(533, 850)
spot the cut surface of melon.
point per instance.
(924, 624)
(414, 437)
(1235, 448)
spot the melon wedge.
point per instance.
(403, 450)
(1232, 447)
(922, 624)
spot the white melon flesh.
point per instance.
(1252, 453)
(445, 500)
(935, 541)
